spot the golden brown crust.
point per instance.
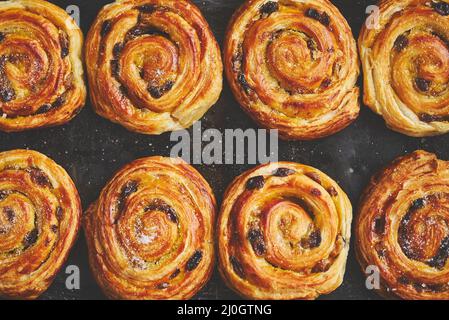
(150, 232)
(293, 66)
(284, 232)
(40, 212)
(41, 73)
(403, 227)
(405, 63)
(154, 65)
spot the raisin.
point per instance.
(321, 266)
(118, 47)
(161, 205)
(157, 32)
(64, 42)
(401, 42)
(425, 117)
(237, 267)
(162, 286)
(44, 109)
(175, 274)
(423, 84)
(257, 241)
(313, 13)
(242, 80)
(323, 18)
(139, 30)
(439, 261)
(284, 172)
(441, 7)
(2, 36)
(313, 241)
(59, 213)
(3, 195)
(172, 216)
(147, 8)
(437, 287)
(311, 45)
(115, 68)
(326, 83)
(419, 287)
(106, 27)
(10, 214)
(168, 86)
(155, 92)
(64, 52)
(39, 177)
(194, 261)
(255, 183)
(58, 102)
(127, 190)
(417, 204)
(15, 57)
(404, 280)
(381, 250)
(269, 8)
(123, 90)
(158, 92)
(315, 192)
(54, 228)
(136, 32)
(7, 93)
(379, 225)
(30, 238)
(332, 192)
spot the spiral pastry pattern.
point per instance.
(41, 73)
(293, 66)
(154, 65)
(39, 218)
(403, 227)
(284, 232)
(406, 66)
(150, 232)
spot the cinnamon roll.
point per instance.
(284, 232)
(293, 66)
(41, 73)
(39, 217)
(406, 66)
(150, 232)
(154, 65)
(403, 227)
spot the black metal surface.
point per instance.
(92, 149)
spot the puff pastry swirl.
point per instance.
(406, 66)
(40, 212)
(284, 232)
(403, 227)
(150, 232)
(293, 66)
(41, 73)
(154, 65)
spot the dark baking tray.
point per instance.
(92, 149)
